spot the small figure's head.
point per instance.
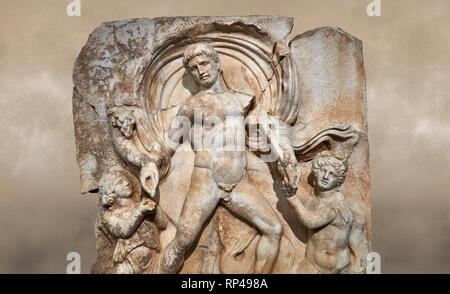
(202, 62)
(329, 172)
(114, 185)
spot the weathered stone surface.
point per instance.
(239, 202)
(331, 68)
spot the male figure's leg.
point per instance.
(201, 201)
(246, 202)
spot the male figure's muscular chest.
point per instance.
(207, 107)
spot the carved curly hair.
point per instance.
(339, 165)
(197, 49)
(110, 179)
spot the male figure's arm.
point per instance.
(129, 151)
(177, 122)
(278, 137)
(125, 139)
(141, 142)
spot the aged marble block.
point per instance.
(224, 145)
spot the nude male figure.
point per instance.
(332, 228)
(219, 176)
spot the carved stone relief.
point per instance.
(223, 145)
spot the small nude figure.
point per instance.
(123, 215)
(333, 230)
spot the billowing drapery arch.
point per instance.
(249, 65)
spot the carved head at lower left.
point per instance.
(114, 185)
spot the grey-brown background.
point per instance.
(42, 214)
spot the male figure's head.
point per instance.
(202, 62)
(329, 172)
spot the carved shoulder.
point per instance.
(343, 209)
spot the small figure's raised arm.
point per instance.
(311, 219)
(123, 227)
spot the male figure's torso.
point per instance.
(217, 134)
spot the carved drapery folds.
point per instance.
(295, 101)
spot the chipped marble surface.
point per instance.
(313, 84)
